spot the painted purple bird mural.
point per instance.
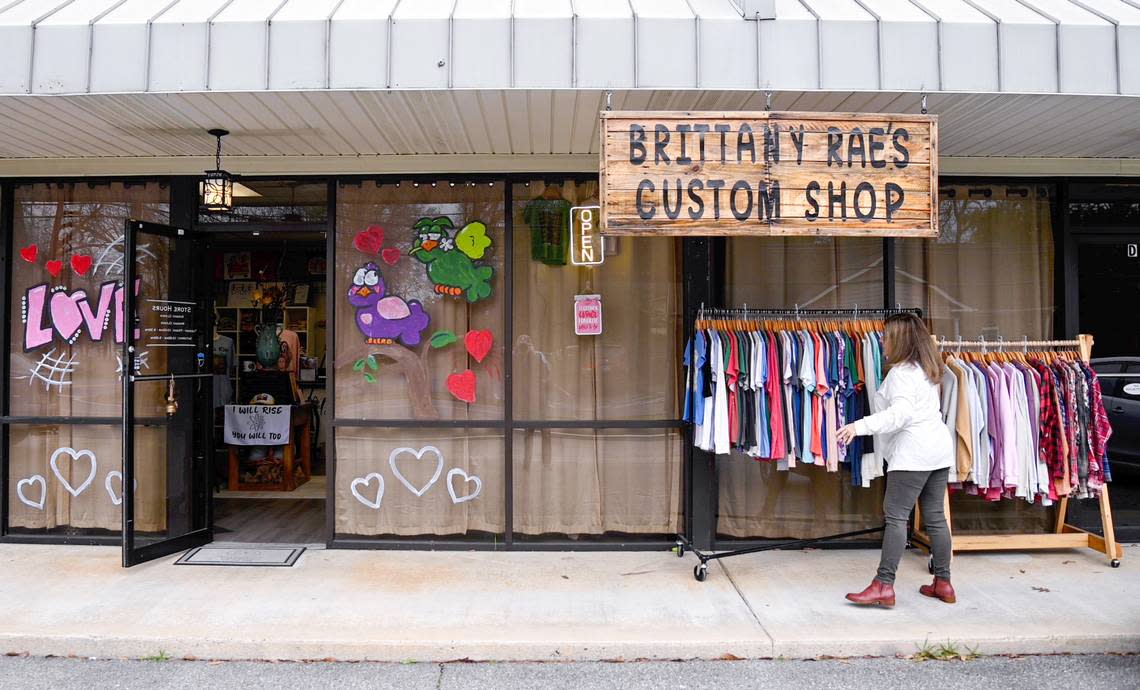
(384, 319)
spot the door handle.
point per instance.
(1119, 409)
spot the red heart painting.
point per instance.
(80, 264)
(462, 386)
(370, 240)
(390, 255)
(54, 267)
(478, 343)
(29, 253)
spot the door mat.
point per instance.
(262, 556)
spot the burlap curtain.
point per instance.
(756, 500)
(582, 481)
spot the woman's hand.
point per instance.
(846, 434)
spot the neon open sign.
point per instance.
(585, 237)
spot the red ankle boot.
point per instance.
(877, 593)
(939, 589)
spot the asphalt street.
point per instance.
(1037, 673)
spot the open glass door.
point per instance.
(167, 425)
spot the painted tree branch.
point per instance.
(414, 370)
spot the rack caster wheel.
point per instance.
(1115, 563)
(930, 565)
(679, 549)
(701, 572)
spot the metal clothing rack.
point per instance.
(1064, 535)
(683, 543)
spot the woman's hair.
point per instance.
(908, 340)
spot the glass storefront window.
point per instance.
(811, 272)
(757, 500)
(420, 483)
(419, 303)
(990, 272)
(276, 202)
(66, 328)
(629, 371)
(68, 242)
(580, 482)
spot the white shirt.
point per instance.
(909, 425)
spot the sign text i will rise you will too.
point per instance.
(769, 173)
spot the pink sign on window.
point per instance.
(587, 315)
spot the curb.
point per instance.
(438, 651)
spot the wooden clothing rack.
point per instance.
(1064, 535)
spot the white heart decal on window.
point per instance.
(116, 499)
(466, 479)
(419, 454)
(75, 455)
(365, 481)
(34, 479)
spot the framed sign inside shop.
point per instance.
(769, 173)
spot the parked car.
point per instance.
(1120, 387)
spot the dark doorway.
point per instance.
(269, 284)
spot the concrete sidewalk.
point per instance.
(439, 606)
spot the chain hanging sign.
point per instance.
(769, 173)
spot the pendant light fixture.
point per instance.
(217, 189)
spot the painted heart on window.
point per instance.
(426, 451)
(66, 317)
(478, 343)
(116, 497)
(29, 253)
(80, 264)
(462, 386)
(369, 240)
(468, 479)
(365, 481)
(390, 255)
(54, 267)
(75, 455)
(24, 483)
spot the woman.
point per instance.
(918, 449)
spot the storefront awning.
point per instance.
(142, 46)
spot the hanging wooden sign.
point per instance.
(769, 173)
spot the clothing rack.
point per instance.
(684, 544)
(1064, 535)
(745, 311)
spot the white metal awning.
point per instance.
(147, 46)
(511, 130)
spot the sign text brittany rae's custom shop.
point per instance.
(769, 173)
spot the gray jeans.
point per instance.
(903, 490)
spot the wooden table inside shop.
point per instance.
(301, 422)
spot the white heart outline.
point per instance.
(75, 455)
(419, 455)
(116, 500)
(467, 478)
(35, 478)
(365, 481)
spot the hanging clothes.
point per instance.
(1028, 427)
(778, 391)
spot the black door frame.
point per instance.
(201, 434)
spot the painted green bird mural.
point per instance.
(453, 264)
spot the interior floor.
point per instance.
(269, 521)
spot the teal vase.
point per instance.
(268, 346)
